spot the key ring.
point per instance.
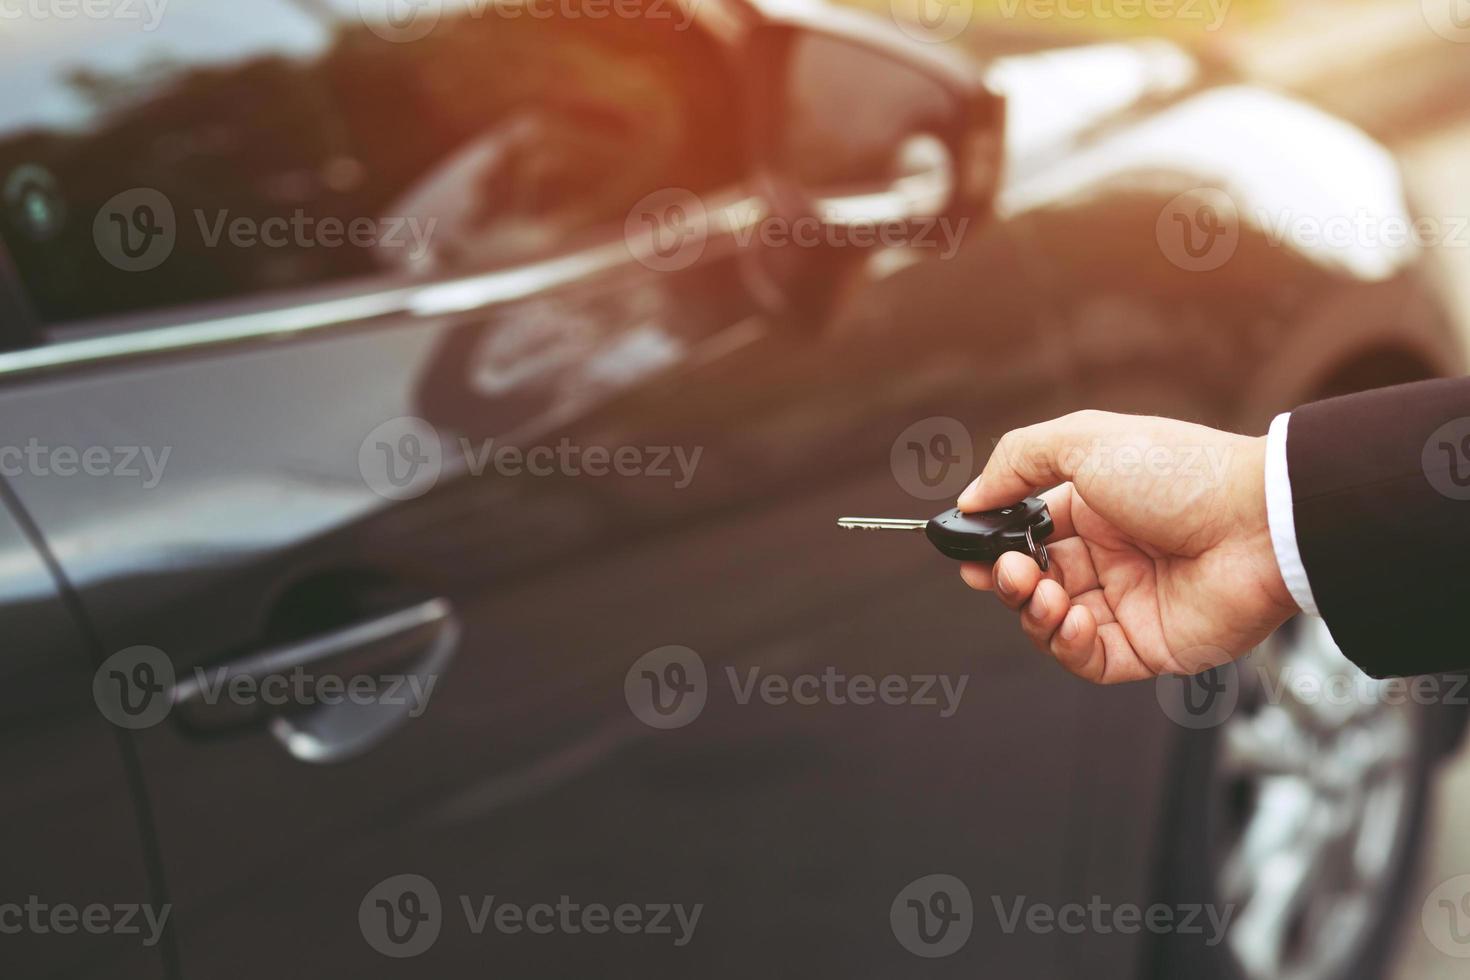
(1037, 551)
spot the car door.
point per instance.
(79, 889)
(211, 222)
(513, 469)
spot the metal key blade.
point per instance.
(881, 523)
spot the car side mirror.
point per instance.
(864, 139)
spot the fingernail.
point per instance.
(1003, 583)
(1069, 628)
(1037, 606)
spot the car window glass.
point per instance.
(224, 150)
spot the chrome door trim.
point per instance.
(726, 219)
(323, 647)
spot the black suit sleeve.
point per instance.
(1380, 486)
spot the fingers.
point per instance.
(1043, 602)
(1067, 630)
(1071, 565)
(1016, 578)
(1044, 613)
(1097, 652)
(1034, 456)
(1120, 662)
(1059, 505)
(978, 576)
(1067, 618)
(1076, 645)
(1063, 612)
(1012, 578)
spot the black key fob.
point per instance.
(988, 534)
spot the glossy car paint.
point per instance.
(76, 837)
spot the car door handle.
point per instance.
(410, 647)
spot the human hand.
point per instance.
(1161, 557)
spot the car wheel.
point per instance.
(1301, 812)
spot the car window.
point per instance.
(229, 150)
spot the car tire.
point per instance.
(1301, 815)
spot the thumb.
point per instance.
(1031, 458)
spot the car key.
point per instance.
(981, 536)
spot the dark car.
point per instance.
(506, 366)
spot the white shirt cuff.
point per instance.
(1280, 516)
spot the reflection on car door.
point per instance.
(290, 508)
(248, 413)
(271, 524)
